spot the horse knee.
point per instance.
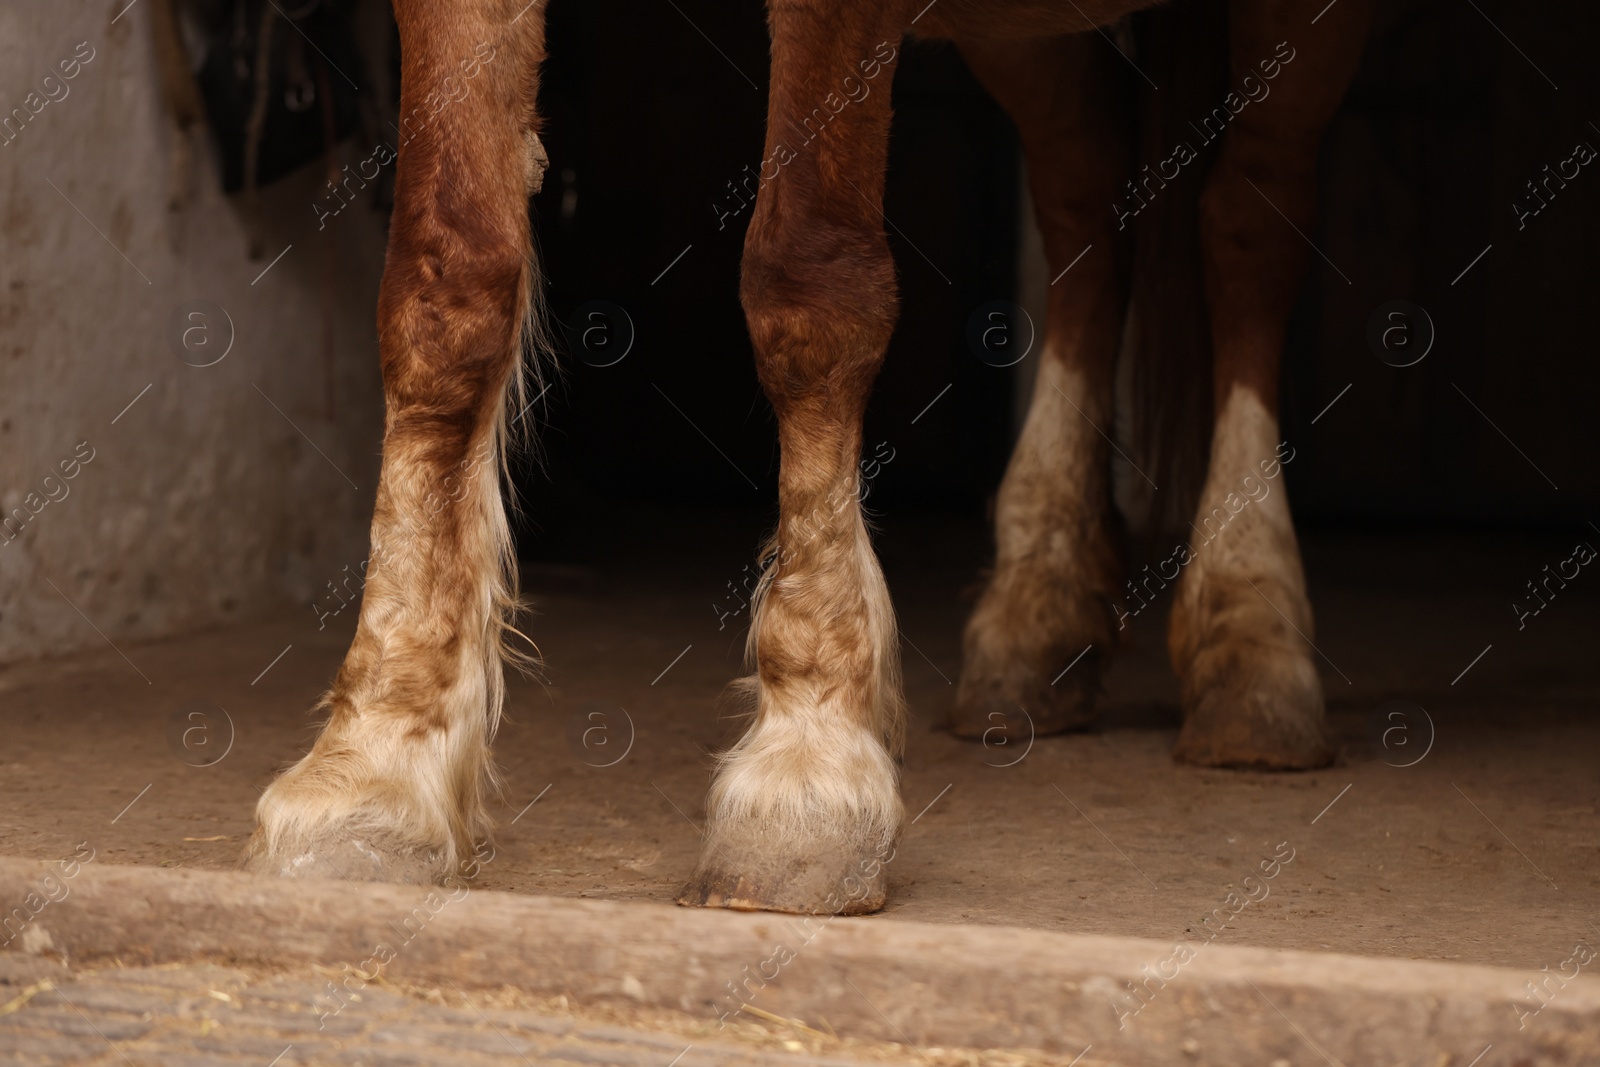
(820, 306)
(449, 322)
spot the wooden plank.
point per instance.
(922, 983)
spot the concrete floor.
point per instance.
(209, 1016)
(1485, 850)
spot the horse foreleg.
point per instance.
(395, 786)
(805, 809)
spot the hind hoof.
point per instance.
(1262, 713)
(1002, 709)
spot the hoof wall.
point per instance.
(819, 881)
(1253, 732)
(1007, 711)
(352, 859)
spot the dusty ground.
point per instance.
(1485, 850)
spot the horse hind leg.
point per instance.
(397, 783)
(1241, 630)
(1047, 604)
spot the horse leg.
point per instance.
(1241, 632)
(395, 786)
(805, 808)
(1048, 601)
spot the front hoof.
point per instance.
(1262, 712)
(1003, 707)
(354, 858)
(761, 874)
(331, 818)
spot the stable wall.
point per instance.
(223, 491)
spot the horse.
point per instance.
(804, 809)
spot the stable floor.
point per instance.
(1486, 848)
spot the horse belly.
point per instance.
(1020, 19)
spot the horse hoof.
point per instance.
(820, 878)
(331, 817)
(1008, 707)
(354, 858)
(1263, 712)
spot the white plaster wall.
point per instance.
(202, 503)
